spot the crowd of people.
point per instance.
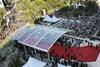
(77, 42)
(82, 27)
(54, 61)
(64, 42)
(49, 59)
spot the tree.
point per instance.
(2, 13)
(8, 4)
(91, 7)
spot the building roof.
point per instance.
(39, 36)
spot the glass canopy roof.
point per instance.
(40, 37)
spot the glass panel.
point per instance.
(48, 40)
(41, 37)
(35, 37)
(27, 34)
(20, 32)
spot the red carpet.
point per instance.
(59, 51)
(84, 54)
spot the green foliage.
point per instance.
(98, 34)
(33, 9)
(77, 12)
(9, 55)
(2, 13)
(91, 7)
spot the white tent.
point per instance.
(51, 20)
(47, 18)
(34, 63)
(54, 19)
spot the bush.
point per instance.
(77, 12)
(98, 33)
(91, 7)
(33, 9)
(2, 13)
(9, 56)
